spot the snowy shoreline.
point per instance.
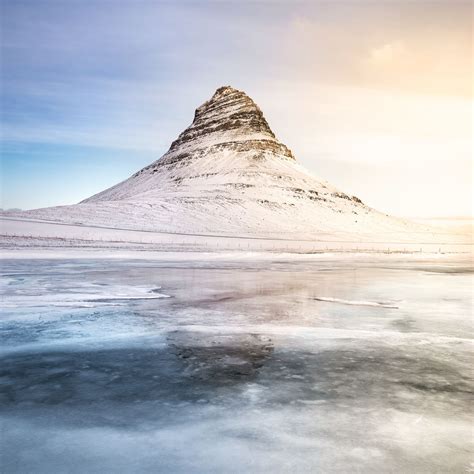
(22, 235)
(163, 255)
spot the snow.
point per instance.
(20, 234)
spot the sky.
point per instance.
(373, 96)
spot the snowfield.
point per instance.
(20, 233)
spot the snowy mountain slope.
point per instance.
(228, 174)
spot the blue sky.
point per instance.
(373, 96)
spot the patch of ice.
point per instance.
(379, 304)
(86, 296)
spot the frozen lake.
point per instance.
(336, 365)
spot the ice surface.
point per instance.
(357, 303)
(241, 369)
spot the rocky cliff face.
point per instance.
(228, 113)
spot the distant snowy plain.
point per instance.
(235, 363)
(19, 233)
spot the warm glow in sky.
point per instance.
(375, 97)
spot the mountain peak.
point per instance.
(229, 133)
(227, 99)
(226, 90)
(229, 115)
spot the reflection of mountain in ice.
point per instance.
(241, 369)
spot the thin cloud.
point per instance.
(387, 53)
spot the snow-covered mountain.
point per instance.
(228, 174)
